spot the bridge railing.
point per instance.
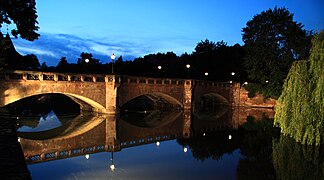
(9, 75)
(214, 83)
(53, 76)
(173, 81)
(150, 80)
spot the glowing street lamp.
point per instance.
(232, 73)
(188, 66)
(112, 64)
(206, 75)
(159, 67)
(87, 61)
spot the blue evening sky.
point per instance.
(134, 28)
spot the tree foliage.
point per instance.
(273, 40)
(300, 108)
(22, 13)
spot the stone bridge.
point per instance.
(107, 93)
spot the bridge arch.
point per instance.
(210, 104)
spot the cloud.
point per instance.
(50, 48)
(30, 50)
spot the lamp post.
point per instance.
(206, 75)
(112, 64)
(232, 73)
(159, 68)
(188, 66)
(87, 66)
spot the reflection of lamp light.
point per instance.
(112, 165)
(229, 137)
(157, 143)
(185, 149)
(18, 139)
(87, 156)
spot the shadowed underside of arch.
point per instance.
(86, 104)
(151, 102)
(216, 99)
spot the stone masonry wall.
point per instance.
(257, 101)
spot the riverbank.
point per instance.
(12, 162)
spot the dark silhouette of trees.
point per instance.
(63, 65)
(217, 59)
(30, 62)
(23, 15)
(44, 67)
(9, 57)
(273, 40)
(86, 63)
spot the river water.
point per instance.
(226, 143)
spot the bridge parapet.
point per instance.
(213, 83)
(52, 76)
(148, 80)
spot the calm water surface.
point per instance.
(223, 144)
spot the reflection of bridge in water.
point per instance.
(106, 133)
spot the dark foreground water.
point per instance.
(225, 144)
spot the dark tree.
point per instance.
(22, 13)
(273, 40)
(44, 67)
(30, 62)
(219, 60)
(63, 65)
(86, 63)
